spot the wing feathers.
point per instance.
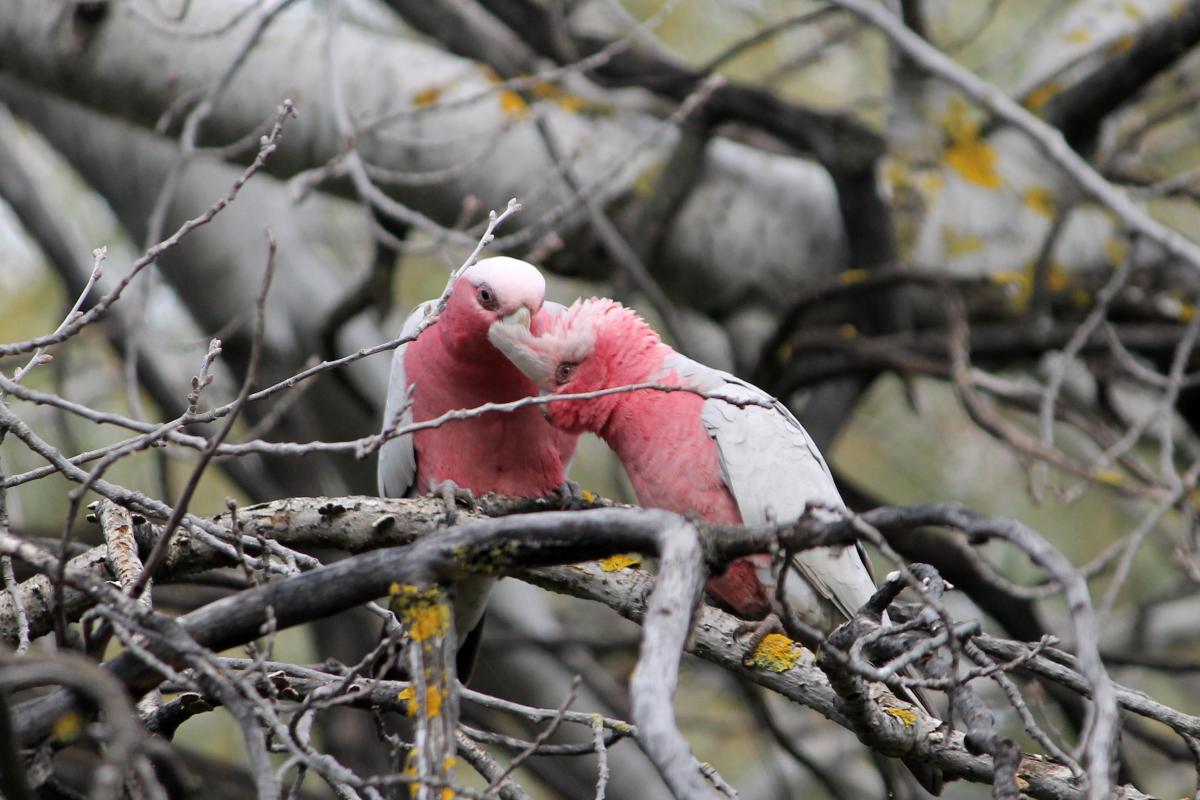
(773, 470)
(397, 469)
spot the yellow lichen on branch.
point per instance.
(433, 701)
(975, 160)
(427, 615)
(905, 715)
(512, 103)
(619, 562)
(970, 156)
(776, 653)
(421, 610)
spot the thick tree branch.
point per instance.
(549, 538)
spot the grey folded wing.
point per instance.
(397, 470)
(773, 469)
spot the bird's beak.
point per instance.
(520, 317)
(511, 336)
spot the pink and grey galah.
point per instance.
(695, 454)
(451, 365)
(692, 454)
(746, 461)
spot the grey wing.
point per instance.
(773, 470)
(397, 471)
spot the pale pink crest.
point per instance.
(516, 283)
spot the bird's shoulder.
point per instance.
(769, 462)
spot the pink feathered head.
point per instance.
(490, 291)
(594, 344)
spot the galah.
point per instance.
(722, 461)
(695, 455)
(453, 365)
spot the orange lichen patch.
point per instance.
(619, 562)
(512, 103)
(852, 276)
(421, 610)
(428, 96)
(412, 770)
(1077, 36)
(1040, 200)
(1187, 312)
(68, 727)
(960, 245)
(970, 156)
(1035, 100)
(975, 160)
(907, 717)
(433, 701)
(545, 89)
(428, 620)
(776, 653)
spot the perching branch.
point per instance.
(548, 538)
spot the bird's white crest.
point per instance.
(516, 282)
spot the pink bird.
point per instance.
(695, 455)
(453, 365)
(692, 455)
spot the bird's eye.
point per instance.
(564, 373)
(487, 298)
